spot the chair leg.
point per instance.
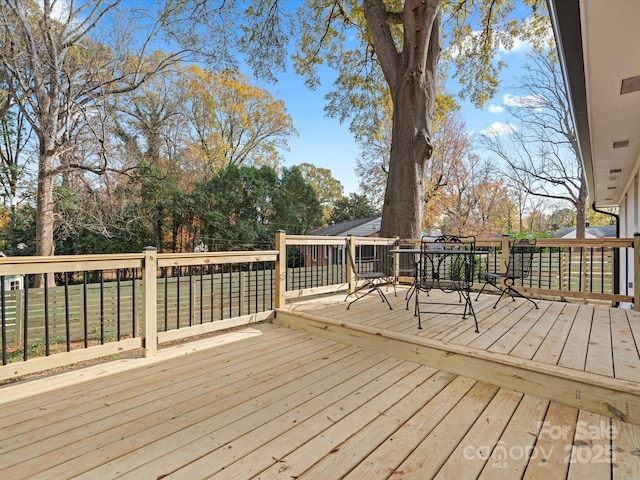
(515, 293)
(374, 288)
(501, 295)
(469, 305)
(481, 290)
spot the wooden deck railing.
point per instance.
(562, 269)
(102, 305)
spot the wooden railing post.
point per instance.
(281, 268)
(396, 261)
(351, 276)
(150, 301)
(636, 272)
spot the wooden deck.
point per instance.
(345, 401)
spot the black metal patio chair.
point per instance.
(518, 268)
(368, 275)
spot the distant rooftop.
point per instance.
(364, 227)
(607, 231)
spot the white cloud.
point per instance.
(495, 109)
(498, 129)
(525, 101)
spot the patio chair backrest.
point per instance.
(406, 264)
(365, 264)
(352, 261)
(521, 257)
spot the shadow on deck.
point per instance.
(548, 393)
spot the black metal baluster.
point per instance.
(101, 307)
(178, 299)
(67, 323)
(25, 332)
(190, 270)
(256, 286)
(134, 332)
(201, 294)
(118, 305)
(271, 290)
(211, 269)
(222, 291)
(3, 320)
(248, 295)
(85, 320)
(46, 315)
(580, 268)
(166, 298)
(602, 266)
(264, 285)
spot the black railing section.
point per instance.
(571, 269)
(96, 307)
(82, 309)
(312, 266)
(199, 294)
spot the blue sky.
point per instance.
(327, 143)
(321, 141)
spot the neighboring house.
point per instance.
(364, 227)
(608, 231)
(598, 49)
(325, 255)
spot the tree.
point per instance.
(14, 139)
(59, 77)
(373, 164)
(234, 122)
(296, 208)
(541, 149)
(470, 197)
(234, 207)
(384, 51)
(328, 190)
(355, 207)
(244, 206)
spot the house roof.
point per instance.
(598, 49)
(364, 227)
(607, 231)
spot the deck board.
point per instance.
(625, 351)
(469, 457)
(600, 353)
(551, 348)
(575, 352)
(395, 449)
(510, 456)
(275, 403)
(434, 450)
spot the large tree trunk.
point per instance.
(411, 77)
(411, 149)
(581, 211)
(45, 245)
(44, 208)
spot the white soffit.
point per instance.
(611, 44)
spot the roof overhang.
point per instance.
(598, 47)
